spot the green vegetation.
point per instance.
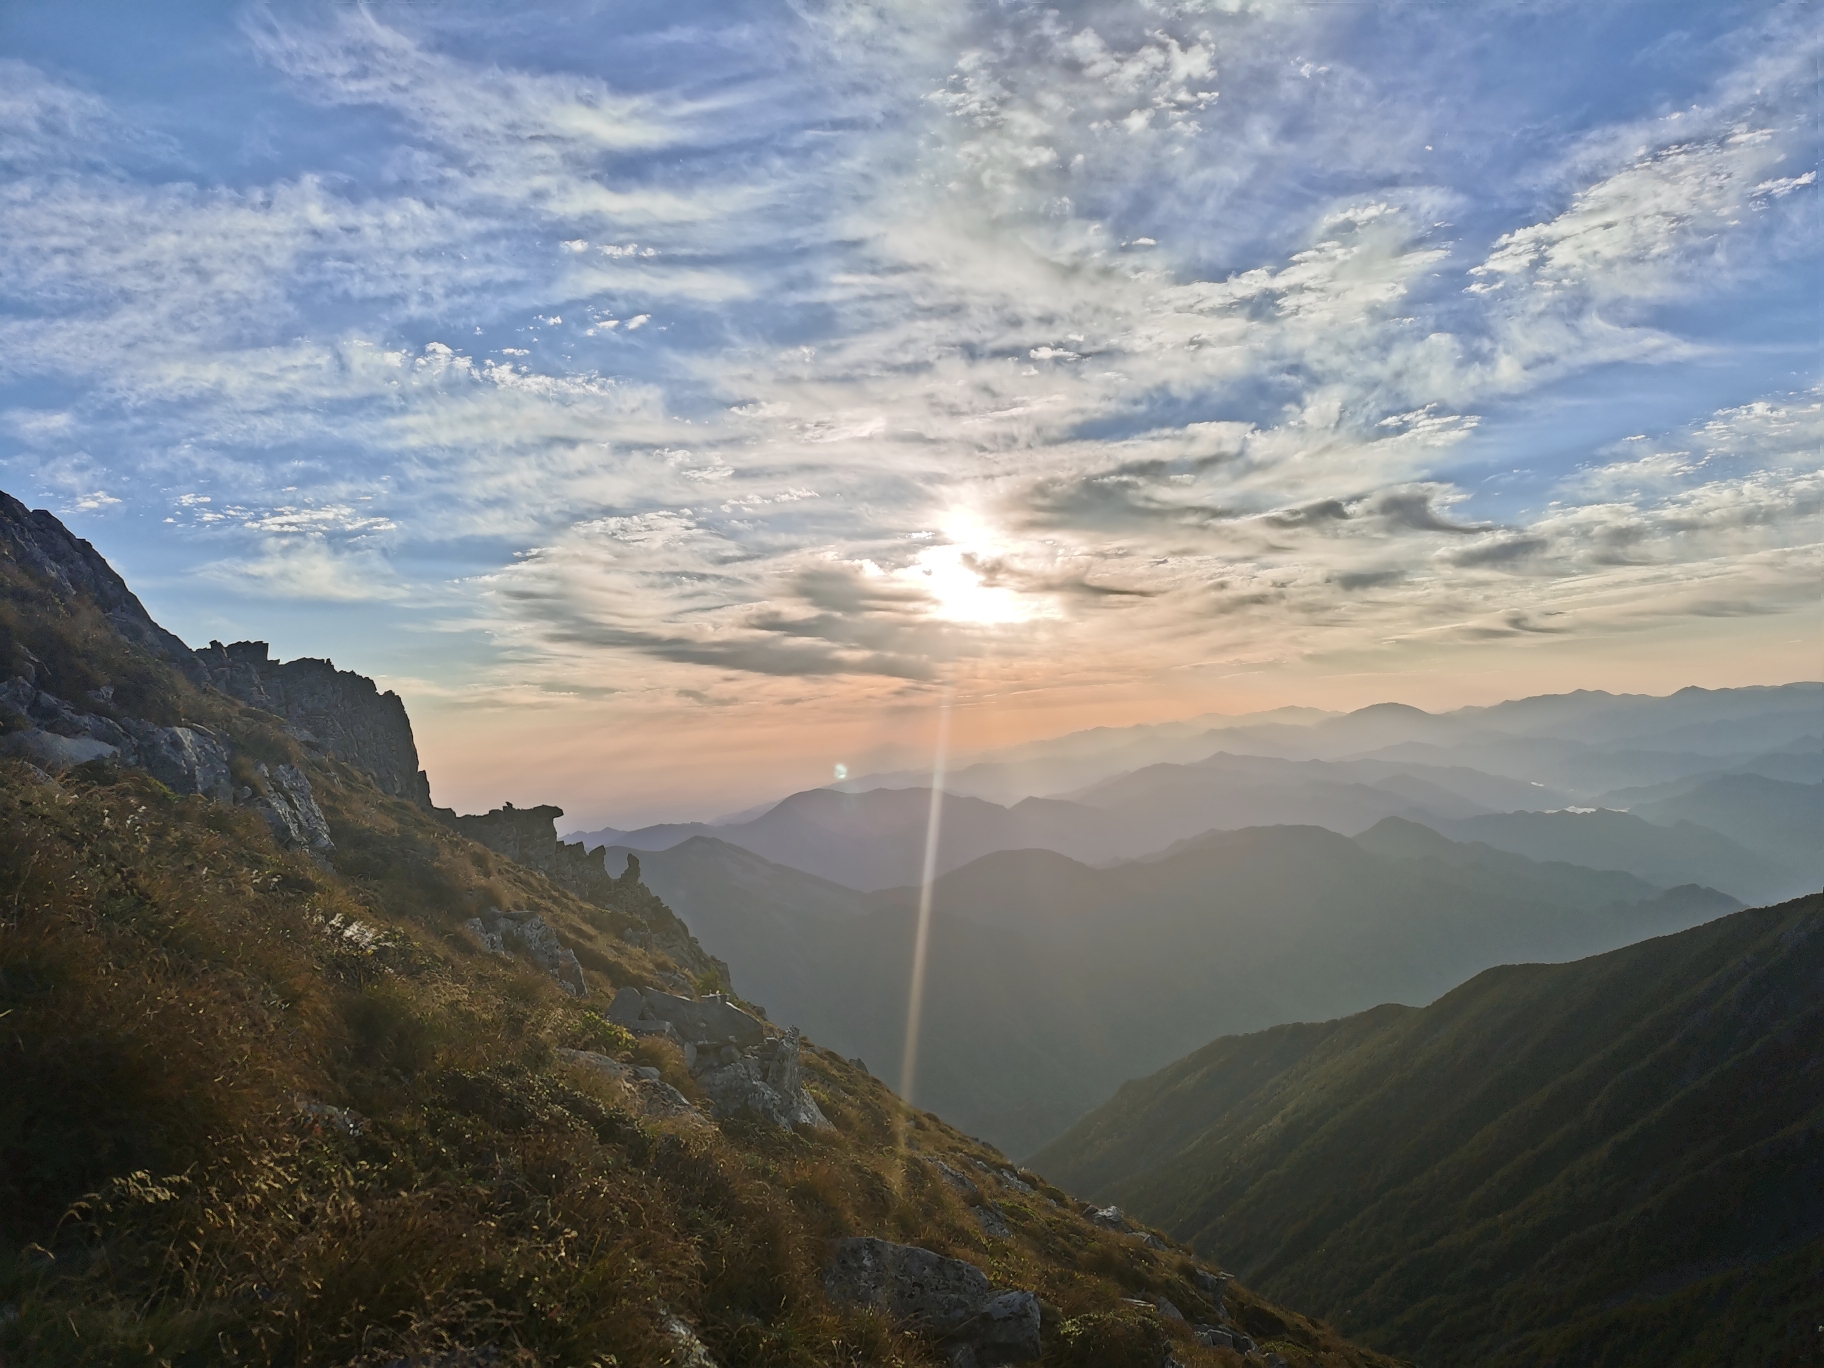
(1617, 1162)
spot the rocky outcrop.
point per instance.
(528, 836)
(339, 710)
(56, 735)
(291, 810)
(766, 1081)
(710, 1022)
(992, 1220)
(1108, 1217)
(38, 542)
(947, 1299)
(1215, 1286)
(507, 933)
(740, 1067)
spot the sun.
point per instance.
(961, 594)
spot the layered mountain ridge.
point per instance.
(1050, 982)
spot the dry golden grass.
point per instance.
(259, 1112)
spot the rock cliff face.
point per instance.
(340, 710)
(55, 735)
(528, 836)
(335, 711)
(44, 546)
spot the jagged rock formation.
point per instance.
(41, 544)
(740, 1066)
(291, 810)
(343, 712)
(948, 1299)
(528, 836)
(339, 710)
(767, 1081)
(53, 735)
(505, 932)
(335, 711)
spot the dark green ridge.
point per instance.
(1617, 1161)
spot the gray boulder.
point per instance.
(51, 734)
(712, 1020)
(992, 1221)
(629, 1009)
(1108, 1217)
(505, 933)
(194, 760)
(54, 734)
(906, 1283)
(1004, 1331)
(948, 1299)
(53, 753)
(767, 1081)
(956, 1179)
(291, 810)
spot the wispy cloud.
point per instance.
(947, 341)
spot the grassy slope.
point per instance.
(1618, 1161)
(181, 1003)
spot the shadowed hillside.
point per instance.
(1618, 1161)
(1051, 983)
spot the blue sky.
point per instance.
(670, 399)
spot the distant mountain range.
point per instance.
(1051, 981)
(1744, 765)
(1619, 1160)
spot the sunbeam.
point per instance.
(915, 1006)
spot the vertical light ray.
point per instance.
(915, 1009)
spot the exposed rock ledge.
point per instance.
(739, 1065)
(55, 736)
(339, 710)
(528, 836)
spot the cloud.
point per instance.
(308, 568)
(954, 342)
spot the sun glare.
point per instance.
(950, 575)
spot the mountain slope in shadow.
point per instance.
(1677, 853)
(1050, 982)
(1615, 1161)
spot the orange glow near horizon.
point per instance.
(627, 761)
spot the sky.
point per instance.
(675, 402)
